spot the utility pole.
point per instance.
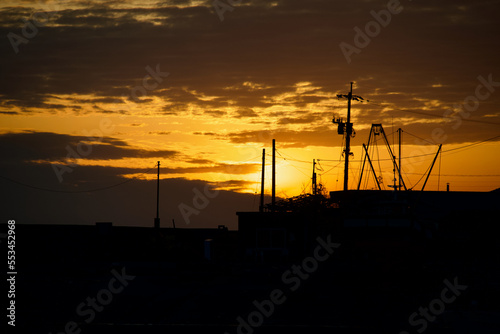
(261, 208)
(157, 219)
(399, 170)
(314, 185)
(273, 196)
(347, 151)
(346, 128)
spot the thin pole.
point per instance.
(348, 140)
(371, 166)
(261, 208)
(157, 219)
(273, 198)
(399, 170)
(439, 170)
(432, 165)
(364, 160)
(314, 186)
(393, 157)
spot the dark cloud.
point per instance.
(298, 120)
(234, 185)
(239, 169)
(85, 194)
(104, 51)
(200, 161)
(103, 195)
(31, 146)
(246, 112)
(215, 113)
(204, 133)
(163, 133)
(319, 136)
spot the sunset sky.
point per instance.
(94, 93)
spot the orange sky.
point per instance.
(174, 83)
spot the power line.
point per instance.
(428, 141)
(292, 159)
(463, 175)
(324, 173)
(444, 151)
(473, 144)
(277, 151)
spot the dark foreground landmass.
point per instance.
(110, 279)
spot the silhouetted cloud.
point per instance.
(131, 203)
(31, 146)
(246, 66)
